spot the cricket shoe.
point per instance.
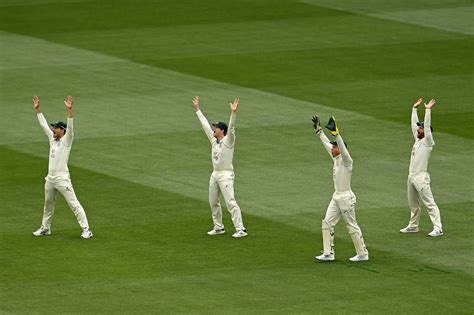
(240, 233)
(359, 258)
(216, 232)
(42, 232)
(409, 229)
(435, 233)
(86, 233)
(324, 257)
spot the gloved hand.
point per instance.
(332, 126)
(316, 124)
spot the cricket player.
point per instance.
(222, 138)
(58, 179)
(343, 200)
(418, 184)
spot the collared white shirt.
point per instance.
(222, 152)
(421, 151)
(59, 150)
(342, 169)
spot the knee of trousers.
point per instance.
(325, 225)
(232, 204)
(214, 201)
(432, 207)
(50, 204)
(214, 204)
(76, 207)
(50, 199)
(353, 230)
(49, 208)
(414, 205)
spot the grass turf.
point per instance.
(140, 162)
(150, 254)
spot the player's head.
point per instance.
(220, 129)
(335, 148)
(59, 129)
(421, 130)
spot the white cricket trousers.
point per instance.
(419, 190)
(342, 204)
(64, 186)
(222, 182)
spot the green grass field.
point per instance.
(141, 162)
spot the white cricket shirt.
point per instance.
(222, 152)
(342, 169)
(421, 151)
(59, 150)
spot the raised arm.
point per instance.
(205, 124)
(319, 132)
(346, 157)
(68, 104)
(326, 143)
(41, 119)
(68, 137)
(332, 126)
(230, 139)
(427, 123)
(414, 117)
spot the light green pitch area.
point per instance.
(452, 15)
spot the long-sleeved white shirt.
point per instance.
(222, 152)
(342, 169)
(59, 150)
(421, 151)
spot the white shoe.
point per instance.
(323, 257)
(240, 233)
(435, 233)
(216, 232)
(86, 233)
(409, 229)
(359, 258)
(42, 232)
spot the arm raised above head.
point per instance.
(41, 119)
(414, 117)
(68, 137)
(427, 123)
(202, 119)
(326, 143)
(68, 103)
(346, 157)
(230, 139)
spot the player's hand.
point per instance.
(36, 102)
(430, 104)
(234, 105)
(196, 102)
(68, 102)
(420, 100)
(316, 124)
(332, 126)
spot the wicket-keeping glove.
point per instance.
(332, 126)
(316, 124)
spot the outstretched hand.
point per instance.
(68, 102)
(234, 105)
(196, 102)
(332, 126)
(420, 100)
(430, 104)
(316, 124)
(36, 102)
